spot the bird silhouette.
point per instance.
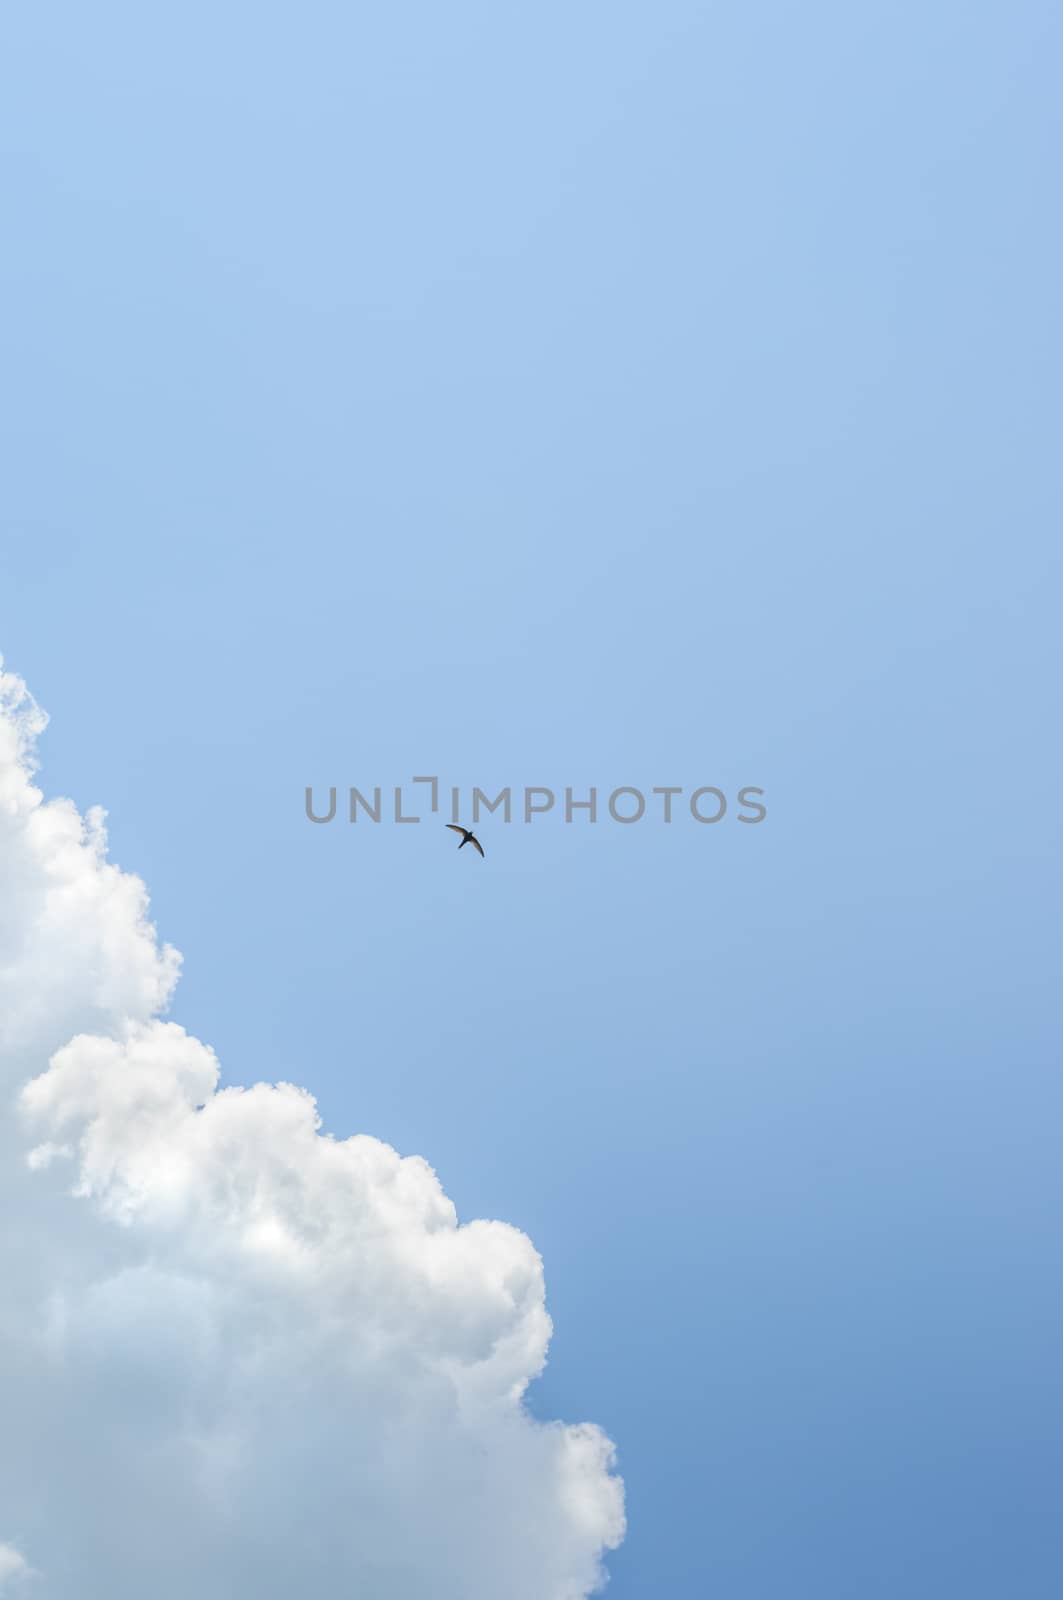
(467, 837)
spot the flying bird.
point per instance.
(467, 837)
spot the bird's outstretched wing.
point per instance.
(454, 827)
(474, 840)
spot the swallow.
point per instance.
(467, 837)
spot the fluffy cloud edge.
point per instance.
(241, 1193)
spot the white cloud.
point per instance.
(12, 1566)
(236, 1354)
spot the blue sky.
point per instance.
(600, 395)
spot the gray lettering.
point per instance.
(398, 809)
(501, 799)
(359, 799)
(590, 805)
(695, 797)
(529, 809)
(310, 806)
(668, 793)
(754, 805)
(435, 790)
(614, 813)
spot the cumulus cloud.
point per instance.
(12, 1567)
(238, 1355)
